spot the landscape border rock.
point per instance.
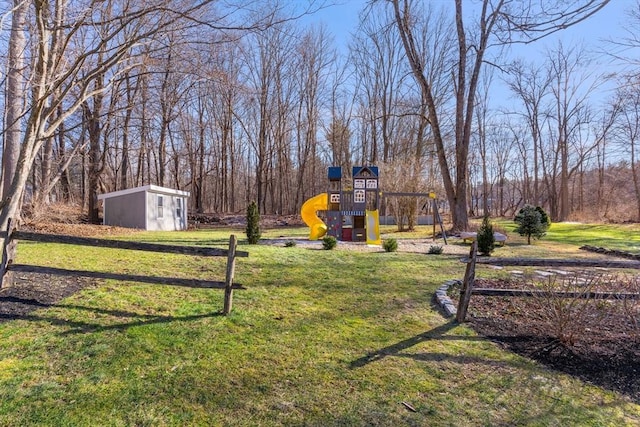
(611, 252)
(443, 300)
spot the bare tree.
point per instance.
(339, 138)
(497, 23)
(500, 144)
(530, 84)
(223, 107)
(318, 68)
(75, 64)
(132, 90)
(404, 175)
(605, 132)
(267, 66)
(627, 130)
(569, 116)
(624, 50)
(481, 137)
(15, 94)
(522, 166)
(381, 78)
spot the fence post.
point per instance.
(228, 283)
(467, 284)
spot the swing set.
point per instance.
(430, 204)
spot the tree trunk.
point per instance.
(94, 130)
(14, 95)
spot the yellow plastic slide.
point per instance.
(373, 228)
(310, 217)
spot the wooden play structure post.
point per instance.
(467, 284)
(437, 218)
(432, 196)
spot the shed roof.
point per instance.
(146, 188)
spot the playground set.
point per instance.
(352, 211)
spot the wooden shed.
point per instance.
(149, 208)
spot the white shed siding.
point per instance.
(123, 211)
(138, 208)
(171, 217)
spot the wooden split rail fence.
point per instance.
(8, 267)
(468, 282)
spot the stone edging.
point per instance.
(610, 252)
(443, 300)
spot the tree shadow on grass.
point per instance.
(436, 334)
(396, 349)
(79, 327)
(157, 280)
(24, 301)
(43, 287)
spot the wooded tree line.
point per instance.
(246, 101)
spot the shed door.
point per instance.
(180, 212)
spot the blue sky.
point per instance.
(341, 19)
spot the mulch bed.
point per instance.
(599, 343)
(31, 291)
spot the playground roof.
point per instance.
(335, 173)
(358, 170)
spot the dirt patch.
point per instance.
(207, 220)
(599, 343)
(33, 291)
(78, 230)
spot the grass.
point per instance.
(624, 237)
(318, 338)
(568, 237)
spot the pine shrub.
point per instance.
(486, 239)
(329, 242)
(532, 222)
(253, 223)
(390, 245)
(435, 250)
(544, 218)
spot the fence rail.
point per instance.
(491, 292)
(469, 279)
(231, 253)
(123, 244)
(553, 262)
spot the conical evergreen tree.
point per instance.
(253, 223)
(486, 239)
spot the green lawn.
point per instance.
(318, 338)
(611, 236)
